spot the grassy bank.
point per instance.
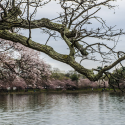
(89, 90)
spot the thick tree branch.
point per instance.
(68, 59)
(44, 22)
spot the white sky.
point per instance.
(52, 10)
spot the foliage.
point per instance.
(57, 74)
(74, 77)
(86, 83)
(61, 84)
(116, 79)
(27, 67)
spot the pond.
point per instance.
(62, 109)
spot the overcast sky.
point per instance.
(52, 10)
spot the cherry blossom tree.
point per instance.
(27, 66)
(19, 83)
(86, 83)
(30, 67)
(6, 67)
(61, 84)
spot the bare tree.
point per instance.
(70, 25)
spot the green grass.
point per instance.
(88, 90)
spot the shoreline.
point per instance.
(61, 91)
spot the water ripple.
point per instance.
(62, 109)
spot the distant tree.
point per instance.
(86, 83)
(56, 73)
(70, 73)
(74, 77)
(61, 84)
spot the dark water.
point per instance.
(62, 109)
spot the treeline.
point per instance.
(22, 67)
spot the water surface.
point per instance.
(62, 109)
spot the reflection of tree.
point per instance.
(23, 102)
(111, 104)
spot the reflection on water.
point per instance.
(62, 109)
